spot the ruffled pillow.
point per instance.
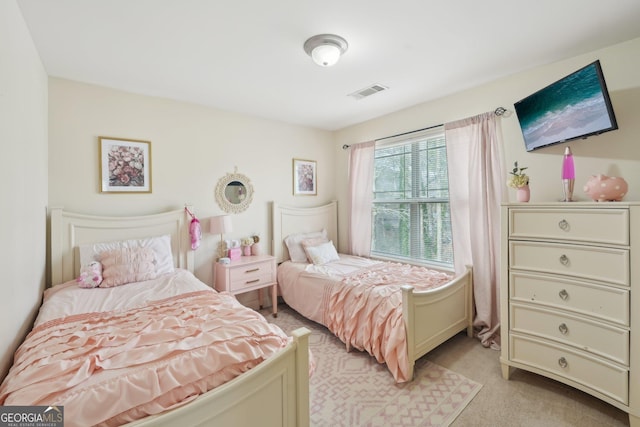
(127, 265)
(161, 246)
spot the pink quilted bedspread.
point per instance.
(109, 368)
(365, 311)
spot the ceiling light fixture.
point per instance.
(325, 49)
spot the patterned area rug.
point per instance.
(353, 389)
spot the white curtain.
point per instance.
(361, 177)
(476, 190)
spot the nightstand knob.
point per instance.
(563, 329)
(563, 294)
(564, 225)
(563, 362)
(564, 260)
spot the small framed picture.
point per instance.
(125, 165)
(304, 178)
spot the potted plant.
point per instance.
(246, 243)
(520, 181)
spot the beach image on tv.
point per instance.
(570, 108)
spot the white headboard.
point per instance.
(69, 230)
(289, 220)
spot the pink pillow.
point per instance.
(314, 241)
(127, 265)
(161, 246)
(294, 245)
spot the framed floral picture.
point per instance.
(304, 178)
(125, 165)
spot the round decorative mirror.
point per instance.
(234, 192)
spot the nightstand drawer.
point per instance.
(571, 225)
(246, 274)
(588, 262)
(580, 332)
(573, 365)
(251, 275)
(604, 302)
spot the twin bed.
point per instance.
(168, 350)
(397, 313)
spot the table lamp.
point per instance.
(221, 225)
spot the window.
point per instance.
(411, 219)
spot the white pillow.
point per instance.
(322, 253)
(161, 246)
(294, 244)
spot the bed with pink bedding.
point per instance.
(160, 343)
(396, 312)
(163, 351)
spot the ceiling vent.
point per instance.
(367, 91)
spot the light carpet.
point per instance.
(353, 389)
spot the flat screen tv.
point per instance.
(576, 106)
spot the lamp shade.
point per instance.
(220, 224)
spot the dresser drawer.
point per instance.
(608, 226)
(603, 302)
(588, 262)
(577, 366)
(581, 332)
(251, 275)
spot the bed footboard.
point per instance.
(274, 394)
(432, 317)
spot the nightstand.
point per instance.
(249, 273)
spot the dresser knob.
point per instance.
(563, 329)
(563, 362)
(563, 294)
(564, 225)
(564, 260)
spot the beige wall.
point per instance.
(614, 153)
(23, 177)
(192, 147)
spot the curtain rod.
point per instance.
(498, 112)
(345, 146)
(410, 132)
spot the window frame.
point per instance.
(415, 202)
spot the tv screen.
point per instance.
(575, 106)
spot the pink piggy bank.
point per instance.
(603, 188)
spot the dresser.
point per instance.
(570, 296)
(248, 273)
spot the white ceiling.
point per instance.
(246, 55)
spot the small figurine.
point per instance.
(603, 188)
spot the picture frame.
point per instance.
(305, 181)
(125, 165)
